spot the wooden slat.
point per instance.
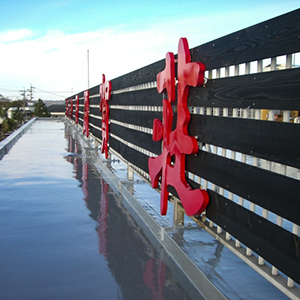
(142, 75)
(275, 37)
(262, 139)
(95, 89)
(149, 97)
(139, 118)
(95, 101)
(269, 90)
(95, 121)
(96, 132)
(278, 246)
(95, 111)
(275, 192)
(131, 155)
(140, 139)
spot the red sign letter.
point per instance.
(170, 165)
(105, 94)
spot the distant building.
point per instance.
(27, 111)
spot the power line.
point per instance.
(53, 93)
(30, 90)
(8, 90)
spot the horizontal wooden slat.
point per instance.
(142, 75)
(95, 111)
(275, 37)
(95, 101)
(96, 132)
(95, 89)
(148, 97)
(278, 246)
(139, 118)
(131, 155)
(268, 140)
(95, 121)
(140, 139)
(268, 90)
(278, 194)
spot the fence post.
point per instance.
(178, 213)
(96, 143)
(130, 173)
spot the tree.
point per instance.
(2, 112)
(18, 115)
(9, 125)
(40, 109)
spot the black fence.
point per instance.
(244, 118)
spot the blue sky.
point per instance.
(44, 43)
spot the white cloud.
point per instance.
(58, 61)
(14, 35)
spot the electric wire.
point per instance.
(54, 93)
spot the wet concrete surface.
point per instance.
(68, 234)
(64, 233)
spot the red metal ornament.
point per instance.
(86, 113)
(77, 110)
(71, 109)
(67, 108)
(170, 164)
(105, 95)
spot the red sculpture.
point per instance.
(77, 110)
(105, 94)
(86, 113)
(71, 109)
(67, 108)
(170, 164)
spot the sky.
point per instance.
(44, 43)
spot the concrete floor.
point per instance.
(64, 235)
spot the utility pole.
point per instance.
(88, 68)
(24, 98)
(31, 92)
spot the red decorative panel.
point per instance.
(169, 166)
(71, 109)
(105, 94)
(77, 110)
(67, 108)
(86, 113)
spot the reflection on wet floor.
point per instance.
(133, 261)
(64, 232)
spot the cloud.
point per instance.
(14, 35)
(58, 61)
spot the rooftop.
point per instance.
(73, 226)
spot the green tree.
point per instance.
(17, 118)
(40, 109)
(2, 112)
(9, 125)
(16, 103)
(18, 115)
